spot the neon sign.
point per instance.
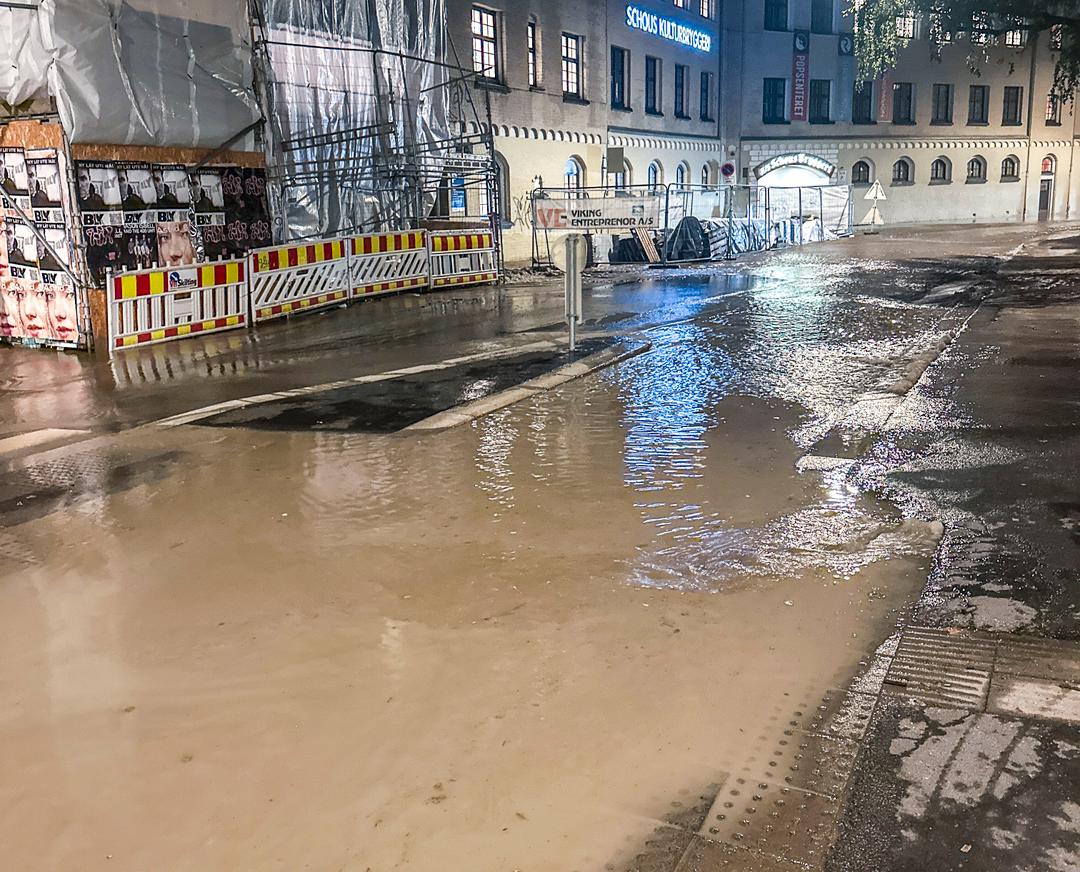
(649, 22)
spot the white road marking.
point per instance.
(34, 438)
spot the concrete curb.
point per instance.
(479, 408)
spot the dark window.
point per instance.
(773, 101)
(680, 91)
(901, 171)
(978, 104)
(1010, 168)
(942, 104)
(820, 94)
(939, 170)
(776, 14)
(903, 103)
(706, 96)
(620, 63)
(1011, 105)
(862, 103)
(485, 43)
(652, 85)
(976, 170)
(571, 65)
(860, 173)
(821, 16)
(1053, 110)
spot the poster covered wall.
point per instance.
(137, 215)
(38, 300)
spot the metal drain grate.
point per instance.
(942, 667)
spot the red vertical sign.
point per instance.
(885, 98)
(800, 76)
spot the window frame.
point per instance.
(979, 162)
(486, 43)
(863, 89)
(856, 179)
(903, 88)
(812, 98)
(777, 99)
(908, 176)
(619, 87)
(572, 64)
(1017, 119)
(945, 176)
(654, 71)
(705, 96)
(1010, 177)
(532, 49)
(681, 91)
(772, 15)
(816, 9)
(947, 118)
(983, 104)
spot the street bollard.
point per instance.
(575, 262)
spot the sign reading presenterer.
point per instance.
(600, 215)
(667, 28)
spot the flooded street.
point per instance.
(529, 642)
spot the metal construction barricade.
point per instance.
(383, 262)
(462, 258)
(297, 278)
(156, 305)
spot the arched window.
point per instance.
(656, 175)
(1010, 168)
(1049, 165)
(976, 169)
(682, 173)
(574, 174)
(705, 180)
(860, 173)
(941, 170)
(903, 172)
(502, 182)
(624, 177)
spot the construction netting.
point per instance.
(359, 119)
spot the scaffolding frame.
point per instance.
(408, 182)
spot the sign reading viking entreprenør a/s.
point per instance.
(598, 215)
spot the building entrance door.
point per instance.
(1046, 197)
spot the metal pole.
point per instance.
(575, 254)
(801, 217)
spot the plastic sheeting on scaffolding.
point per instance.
(144, 72)
(355, 110)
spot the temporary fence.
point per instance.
(156, 305)
(685, 223)
(462, 258)
(160, 304)
(292, 278)
(383, 262)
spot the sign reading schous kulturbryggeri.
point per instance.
(600, 215)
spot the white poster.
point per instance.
(600, 215)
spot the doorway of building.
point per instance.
(1046, 188)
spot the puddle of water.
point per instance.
(508, 645)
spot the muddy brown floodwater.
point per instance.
(515, 645)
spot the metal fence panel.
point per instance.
(297, 278)
(157, 305)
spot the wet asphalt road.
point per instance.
(630, 606)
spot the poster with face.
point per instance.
(208, 208)
(23, 304)
(13, 178)
(97, 192)
(43, 177)
(174, 242)
(138, 198)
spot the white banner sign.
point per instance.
(601, 215)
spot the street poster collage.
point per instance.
(38, 301)
(135, 216)
(138, 215)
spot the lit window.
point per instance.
(571, 64)
(980, 29)
(1014, 38)
(1053, 109)
(573, 175)
(534, 55)
(905, 26)
(1049, 164)
(485, 43)
(708, 8)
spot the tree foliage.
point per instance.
(975, 23)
